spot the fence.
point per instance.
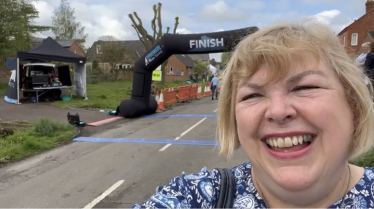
(168, 97)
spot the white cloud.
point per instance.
(220, 11)
(98, 20)
(183, 31)
(327, 16)
(334, 18)
(111, 17)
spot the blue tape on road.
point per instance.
(150, 116)
(147, 141)
(180, 116)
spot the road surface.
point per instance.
(112, 175)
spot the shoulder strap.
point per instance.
(227, 188)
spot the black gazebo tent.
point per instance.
(49, 50)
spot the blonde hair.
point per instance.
(277, 46)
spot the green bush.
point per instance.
(43, 135)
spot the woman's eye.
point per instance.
(251, 96)
(301, 88)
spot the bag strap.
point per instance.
(227, 188)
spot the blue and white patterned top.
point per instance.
(201, 190)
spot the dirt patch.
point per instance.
(8, 127)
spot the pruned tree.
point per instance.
(148, 39)
(113, 51)
(16, 26)
(65, 25)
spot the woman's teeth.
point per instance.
(288, 141)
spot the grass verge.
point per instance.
(108, 95)
(3, 87)
(42, 135)
(105, 95)
(366, 160)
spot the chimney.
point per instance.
(369, 5)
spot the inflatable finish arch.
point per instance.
(141, 103)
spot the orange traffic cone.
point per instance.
(160, 102)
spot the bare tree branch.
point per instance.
(154, 21)
(145, 37)
(140, 38)
(159, 35)
(137, 17)
(140, 30)
(176, 24)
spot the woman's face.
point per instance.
(296, 131)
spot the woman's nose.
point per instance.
(280, 110)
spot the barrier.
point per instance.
(183, 93)
(199, 93)
(170, 96)
(193, 91)
(207, 89)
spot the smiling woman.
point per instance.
(300, 109)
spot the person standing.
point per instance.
(360, 61)
(213, 86)
(369, 62)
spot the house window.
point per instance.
(75, 51)
(98, 49)
(343, 40)
(354, 39)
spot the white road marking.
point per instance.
(103, 195)
(165, 147)
(184, 133)
(215, 110)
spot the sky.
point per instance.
(110, 17)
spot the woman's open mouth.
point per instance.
(290, 146)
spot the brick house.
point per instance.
(70, 45)
(179, 64)
(355, 34)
